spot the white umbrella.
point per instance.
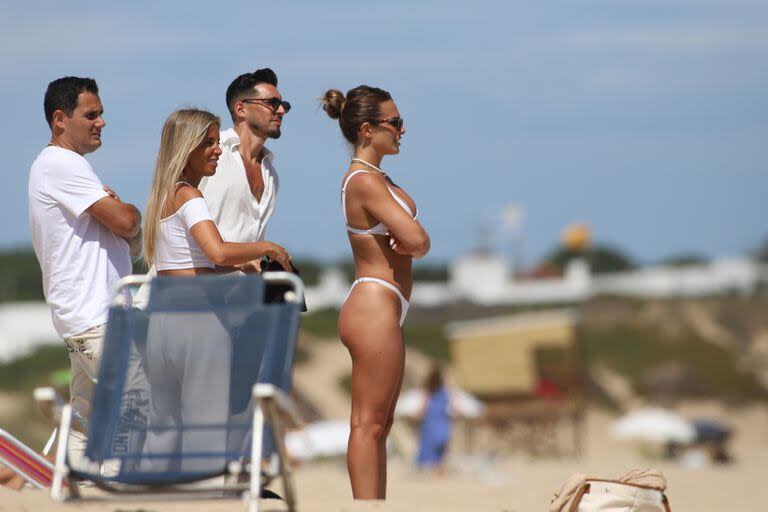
(319, 439)
(466, 405)
(654, 425)
(411, 403)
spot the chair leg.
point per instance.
(50, 442)
(285, 471)
(60, 470)
(256, 442)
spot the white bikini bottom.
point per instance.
(404, 304)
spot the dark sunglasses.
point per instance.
(274, 103)
(396, 122)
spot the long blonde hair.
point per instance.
(184, 131)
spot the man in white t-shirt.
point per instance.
(241, 195)
(83, 234)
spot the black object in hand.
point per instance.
(275, 293)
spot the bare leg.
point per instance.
(390, 421)
(369, 327)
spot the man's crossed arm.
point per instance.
(123, 219)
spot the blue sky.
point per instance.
(647, 119)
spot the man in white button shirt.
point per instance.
(241, 195)
(82, 233)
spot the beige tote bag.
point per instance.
(597, 495)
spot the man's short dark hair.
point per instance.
(62, 95)
(246, 82)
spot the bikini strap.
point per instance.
(344, 187)
(344, 193)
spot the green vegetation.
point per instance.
(761, 253)
(427, 272)
(20, 276)
(429, 338)
(601, 259)
(321, 323)
(17, 380)
(311, 269)
(345, 383)
(708, 370)
(423, 334)
(644, 353)
(685, 260)
(26, 373)
(22, 280)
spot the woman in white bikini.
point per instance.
(385, 238)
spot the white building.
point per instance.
(485, 279)
(481, 278)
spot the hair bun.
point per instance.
(333, 102)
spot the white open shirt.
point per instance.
(239, 216)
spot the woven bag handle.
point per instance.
(585, 488)
(579, 494)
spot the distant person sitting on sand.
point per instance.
(436, 424)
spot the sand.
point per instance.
(511, 483)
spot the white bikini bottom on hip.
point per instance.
(404, 304)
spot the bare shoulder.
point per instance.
(186, 193)
(366, 184)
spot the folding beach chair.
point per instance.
(25, 461)
(185, 386)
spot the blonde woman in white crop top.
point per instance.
(385, 238)
(180, 237)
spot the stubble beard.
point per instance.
(273, 133)
(270, 132)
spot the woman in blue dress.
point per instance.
(437, 423)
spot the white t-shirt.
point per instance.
(80, 257)
(237, 214)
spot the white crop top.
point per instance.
(378, 229)
(175, 247)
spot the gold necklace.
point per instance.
(370, 165)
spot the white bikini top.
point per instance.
(175, 247)
(378, 229)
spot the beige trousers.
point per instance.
(84, 358)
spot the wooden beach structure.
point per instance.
(527, 369)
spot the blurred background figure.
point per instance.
(436, 424)
(10, 479)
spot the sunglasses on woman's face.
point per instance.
(272, 103)
(396, 122)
